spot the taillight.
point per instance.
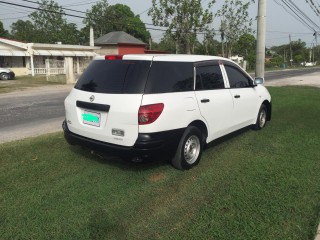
(149, 113)
(113, 57)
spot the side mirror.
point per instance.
(258, 80)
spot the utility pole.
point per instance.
(261, 38)
(310, 54)
(291, 60)
(222, 30)
(313, 53)
(91, 37)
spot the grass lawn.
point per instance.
(22, 82)
(255, 185)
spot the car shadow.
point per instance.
(147, 164)
(122, 163)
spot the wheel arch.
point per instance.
(202, 127)
(269, 109)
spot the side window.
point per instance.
(209, 78)
(236, 78)
(165, 77)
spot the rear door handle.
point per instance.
(237, 96)
(205, 100)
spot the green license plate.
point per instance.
(91, 118)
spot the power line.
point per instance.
(294, 14)
(71, 15)
(11, 18)
(68, 9)
(302, 13)
(302, 33)
(40, 9)
(80, 3)
(10, 8)
(314, 7)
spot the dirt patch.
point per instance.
(157, 177)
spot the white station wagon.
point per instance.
(141, 106)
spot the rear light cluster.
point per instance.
(113, 57)
(149, 113)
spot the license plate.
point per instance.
(91, 118)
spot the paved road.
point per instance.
(31, 112)
(278, 75)
(40, 110)
(22, 109)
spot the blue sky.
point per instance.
(279, 23)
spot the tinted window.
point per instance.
(237, 79)
(209, 77)
(114, 76)
(170, 77)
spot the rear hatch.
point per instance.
(105, 102)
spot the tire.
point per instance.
(4, 76)
(262, 118)
(189, 150)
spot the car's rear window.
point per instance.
(114, 76)
(167, 77)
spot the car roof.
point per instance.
(169, 57)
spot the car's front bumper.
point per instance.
(147, 144)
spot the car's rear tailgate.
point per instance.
(111, 118)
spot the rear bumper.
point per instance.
(147, 144)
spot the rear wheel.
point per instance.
(189, 150)
(4, 76)
(262, 118)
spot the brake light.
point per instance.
(113, 57)
(149, 113)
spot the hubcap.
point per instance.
(192, 149)
(262, 118)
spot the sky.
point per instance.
(280, 24)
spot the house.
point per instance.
(38, 58)
(121, 43)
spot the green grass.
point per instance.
(255, 185)
(22, 82)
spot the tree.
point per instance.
(184, 19)
(299, 51)
(209, 46)
(235, 21)
(98, 17)
(129, 23)
(50, 26)
(3, 32)
(246, 47)
(22, 30)
(105, 18)
(167, 43)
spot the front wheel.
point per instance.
(4, 76)
(189, 149)
(262, 118)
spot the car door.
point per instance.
(214, 99)
(244, 94)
